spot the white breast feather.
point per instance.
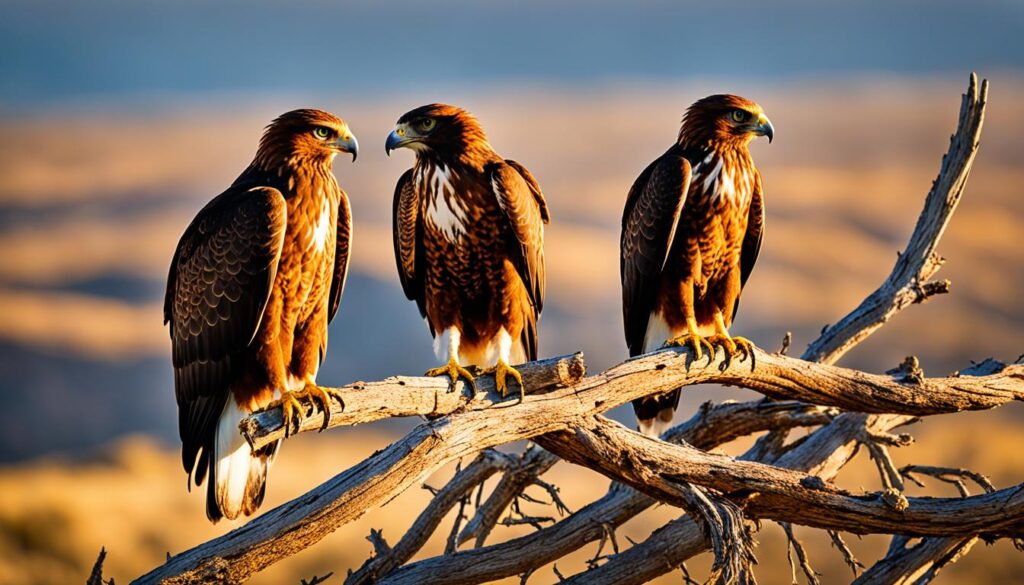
(710, 180)
(442, 211)
(323, 224)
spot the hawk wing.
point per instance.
(649, 222)
(218, 286)
(523, 204)
(752, 239)
(521, 200)
(407, 230)
(343, 241)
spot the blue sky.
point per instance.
(69, 50)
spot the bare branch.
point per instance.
(533, 463)
(776, 376)
(386, 559)
(96, 575)
(824, 454)
(657, 468)
(412, 396)
(919, 563)
(848, 557)
(951, 475)
(908, 282)
(794, 545)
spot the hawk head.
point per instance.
(305, 135)
(439, 130)
(724, 119)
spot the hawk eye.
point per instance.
(321, 132)
(428, 124)
(740, 115)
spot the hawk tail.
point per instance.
(654, 413)
(238, 476)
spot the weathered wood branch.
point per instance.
(400, 396)
(776, 376)
(389, 558)
(823, 454)
(909, 281)
(658, 468)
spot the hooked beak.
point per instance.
(764, 128)
(348, 143)
(398, 138)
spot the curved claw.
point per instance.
(292, 413)
(454, 371)
(322, 397)
(747, 347)
(696, 343)
(501, 372)
(734, 346)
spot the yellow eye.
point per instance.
(321, 132)
(740, 115)
(428, 124)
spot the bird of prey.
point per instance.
(691, 232)
(468, 235)
(254, 281)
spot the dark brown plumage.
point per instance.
(468, 229)
(691, 232)
(254, 281)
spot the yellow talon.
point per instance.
(734, 346)
(501, 371)
(748, 350)
(696, 343)
(454, 371)
(294, 412)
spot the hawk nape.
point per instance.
(691, 232)
(468, 234)
(254, 281)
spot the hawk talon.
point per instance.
(294, 412)
(454, 371)
(322, 397)
(695, 342)
(501, 371)
(733, 346)
(748, 350)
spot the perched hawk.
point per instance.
(469, 234)
(256, 277)
(691, 232)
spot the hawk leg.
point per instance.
(502, 371)
(294, 411)
(454, 371)
(694, 341)
(731, 345)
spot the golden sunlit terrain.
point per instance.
(94, 200)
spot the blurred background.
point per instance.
(120, 119)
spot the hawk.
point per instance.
(256, 278)
(469, 235)
(691, 232)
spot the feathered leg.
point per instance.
(453, 369)
(691, 338)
